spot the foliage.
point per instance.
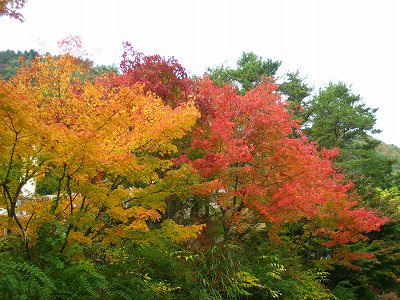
(11, 61)
(345, 291)
(11, 8)
(22, 280)
(339, 118)
(80, 281)
(254, 172)
(163, 76)
(297, 93)
(250, 71)
(106, 147)
(382, 272)
(295, 89)
(152, 185)
(270, 273)
(102, 70)
(390, 151)
(220, 275)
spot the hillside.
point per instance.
(391, 151)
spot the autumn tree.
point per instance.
(256, 173)
(105, 147)
(162, 76)
(11, 8)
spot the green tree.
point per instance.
(251, 70)
(339, 118)
(392, 152)
(11, 61)
(99, 70)
(297, 92)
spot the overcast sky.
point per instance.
(354, 41)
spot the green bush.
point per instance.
(20, 280)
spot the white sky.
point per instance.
(355, 41)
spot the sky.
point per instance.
(353, 41)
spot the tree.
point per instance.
(339, 118)
(251, 70)
(11, 8)
(297, 93)
(11, 61)
(163, 76)
(256, 173)
(105, 147)
(101, 70)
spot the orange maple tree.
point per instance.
(104, 145)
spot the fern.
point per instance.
(21, 280)
(81, 281)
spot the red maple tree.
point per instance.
(162, 76)
(256, 164)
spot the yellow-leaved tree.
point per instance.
(107, 147)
